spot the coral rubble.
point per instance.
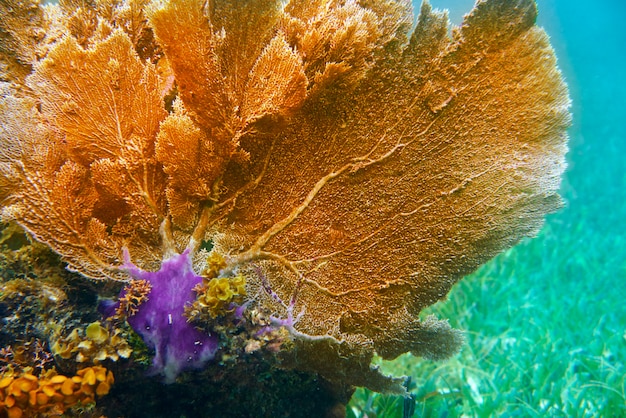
(301, 176)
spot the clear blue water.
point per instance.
(590, 42)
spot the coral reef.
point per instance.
(93, 345)
(221, 295)
(32, 354)
(134, 294)
(38, 297)
(318, 171)
(27, 395)
(161, 322)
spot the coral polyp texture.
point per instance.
(26, 395)
(343, 163)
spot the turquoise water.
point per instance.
(546, 321)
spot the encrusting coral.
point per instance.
(93, 345)
(220, 293)
(27, 395)
(348, 168)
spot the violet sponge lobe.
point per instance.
(161, 323)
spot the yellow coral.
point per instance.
(97, 344)
(29, 395)
(96, 332)
(218, 295)
(215, 262)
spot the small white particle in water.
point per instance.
(169, 318)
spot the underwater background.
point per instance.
(546, 321)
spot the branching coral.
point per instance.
(32, 355)
(349, 169)
(133, 295)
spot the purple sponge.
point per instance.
(178, 345)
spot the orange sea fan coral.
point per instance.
(350, 170)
